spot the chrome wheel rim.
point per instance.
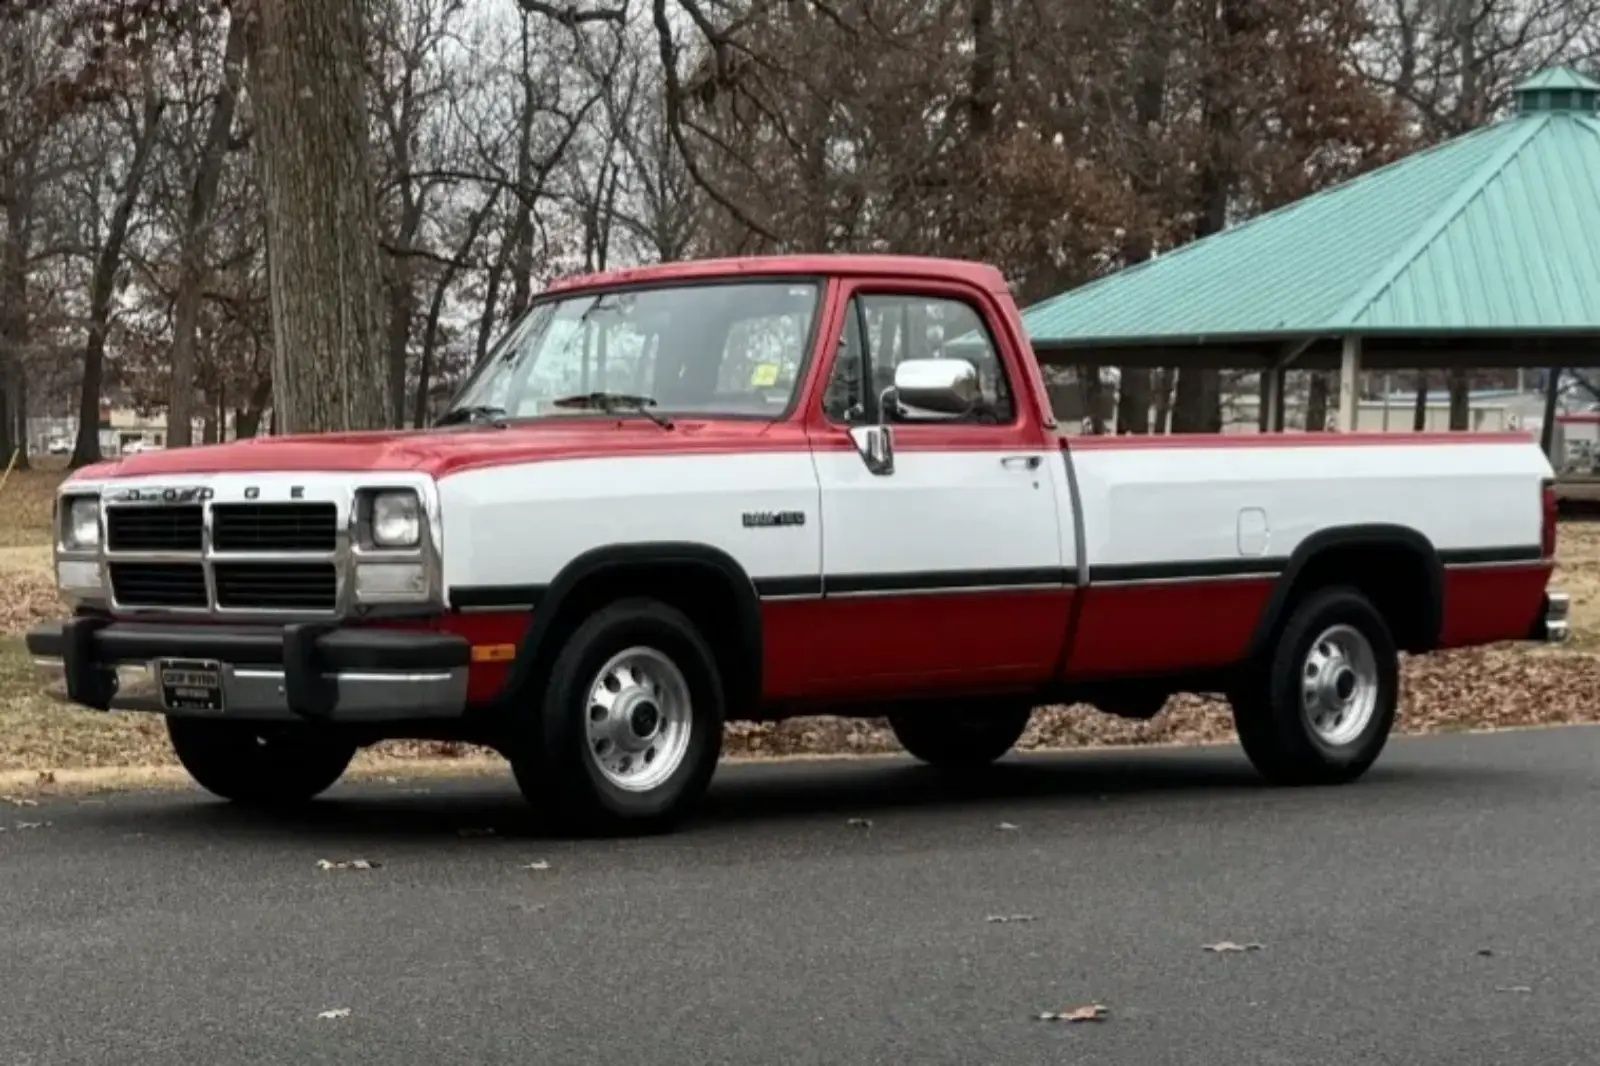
(639, 717)
(1339, 685)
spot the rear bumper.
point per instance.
(294, 673)
(1553, 626)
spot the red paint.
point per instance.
(484, 680)
(850, 647)
(449, 451)
(897, 267)
(1483, 604)
(1133, 629)
(1130, 442)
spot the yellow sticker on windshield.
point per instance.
(764, 376)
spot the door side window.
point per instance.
(880, 332)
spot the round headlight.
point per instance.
(396, 520)
(82, 531)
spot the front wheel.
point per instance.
(1319, 707)
(262, 765)
(629, 729)
(960, 735)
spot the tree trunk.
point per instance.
(325, 280)
(1198, 404)
(1150, 63)
(521, 232)
(101, 284)
(430, 332)
(196, 235)
(980, 99)
(1419, 414)
(247, 420)
(491, 297)
(1460, 399)
(17, 193)
(397, 342)
(1317, 403)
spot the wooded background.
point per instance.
(324, 211)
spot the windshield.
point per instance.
(715, 349)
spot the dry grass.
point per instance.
(1472, 689)
(26, 502)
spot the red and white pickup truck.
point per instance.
(678, 495)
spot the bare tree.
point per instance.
(192, 268)
(142, 119)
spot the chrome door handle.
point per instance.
(1021, 462)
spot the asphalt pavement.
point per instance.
(1443, 910)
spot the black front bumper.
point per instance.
(303, 671)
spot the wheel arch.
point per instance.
(704, 582)
(1395, 566)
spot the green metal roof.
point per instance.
(1495, 232)
(1558, 78)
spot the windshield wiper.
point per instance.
(474, 413)
(610, 402)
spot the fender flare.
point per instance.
(1337, 538)
(617, 560)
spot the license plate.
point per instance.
(190, 684)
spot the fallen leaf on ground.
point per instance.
(337, 1012)
(1001, 919)
(1486, 952)
(1523, 989)
(19, 801)
(859, 823)
(538, 864)
(32, 825)
(1093, 1012)
(347, 864)
(1224, 947)
(475, 831)
(47, 777)
(1005, 826)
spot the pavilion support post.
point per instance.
(1273, 420)
(1350, 385)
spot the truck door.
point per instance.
(946, 572)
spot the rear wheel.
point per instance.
(960, 735)
(259, 764)
(629, 729)
(1318, 709)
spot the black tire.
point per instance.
(259, 764)
(1274, 713)
(553, 753)
(957, 736)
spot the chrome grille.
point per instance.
(276, 586)
(274, 527)
(226, 558)
(154, 528)
(159, 584)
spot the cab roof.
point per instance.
(902, 266)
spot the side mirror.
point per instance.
(939, 387)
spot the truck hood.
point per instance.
(444, 451)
